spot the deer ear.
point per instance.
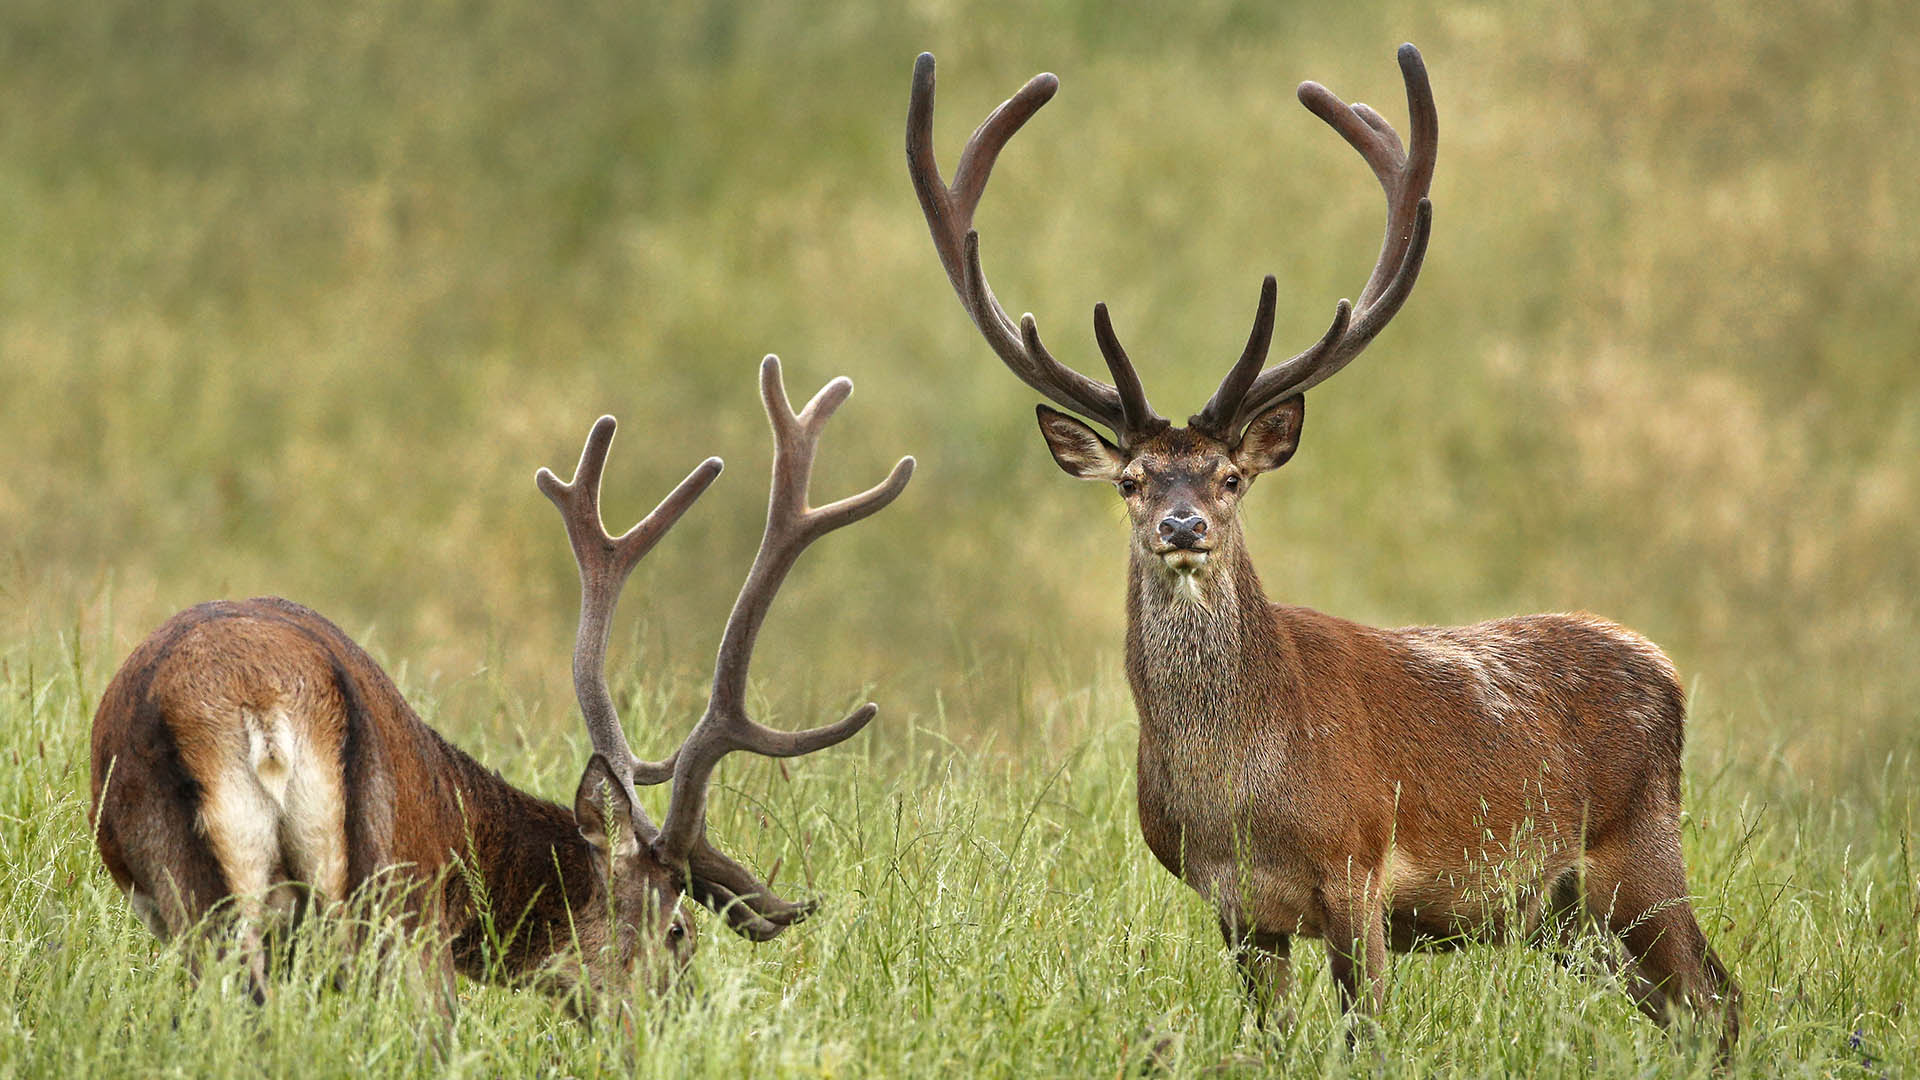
(601, 799)
(1272, 437)
(1078, 448)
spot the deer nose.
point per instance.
(1183, 528)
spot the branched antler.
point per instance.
(1405, 176)
(714, 879)
(949, 210)
(605, 562)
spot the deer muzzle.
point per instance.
(1183, 540)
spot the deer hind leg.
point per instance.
(1354, 925)
(153, 849)
(173, 880)
(1636, 886)
(308, 790)
(1567, 931)
(242, 828)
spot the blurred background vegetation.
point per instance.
(295, 298)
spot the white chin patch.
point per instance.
(1186, 567)
(1184, 562)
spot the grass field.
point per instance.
(991, 911)
(294, 301)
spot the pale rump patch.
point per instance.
(242, 826)
(275, 812)
(312, 809)
(1399, 871)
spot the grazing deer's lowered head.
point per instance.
(250, 757)
(1306, 774)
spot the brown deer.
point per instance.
(1311, 776)
(248, 746)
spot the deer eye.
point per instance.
(1128, 485)
(676, 931)
(1232, 482)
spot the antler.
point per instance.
(605, 562)
(714, 879)
(1406, 177)
(949, 212)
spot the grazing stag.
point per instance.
(248, 746)
(1311, 776)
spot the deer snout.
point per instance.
(1183, 529)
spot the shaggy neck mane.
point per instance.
(1188, 647)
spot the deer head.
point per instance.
(647, 868)
(1182, 486)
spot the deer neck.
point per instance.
(1194, 647)
(523, 865)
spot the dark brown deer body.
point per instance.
(249, 746)
(249, 759)
(1312, 776)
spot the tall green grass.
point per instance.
(988, 911)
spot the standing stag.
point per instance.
(248, 746)
(1310, 776)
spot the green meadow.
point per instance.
(294, 299)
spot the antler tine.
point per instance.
(713, 878)
(949, 212)
(750, 908)
(1347, 337)
(1406, 176)
(605, 562)
(1233, 389)
(1137, 415)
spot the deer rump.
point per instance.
(263, 753)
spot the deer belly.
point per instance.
(1442, 903)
